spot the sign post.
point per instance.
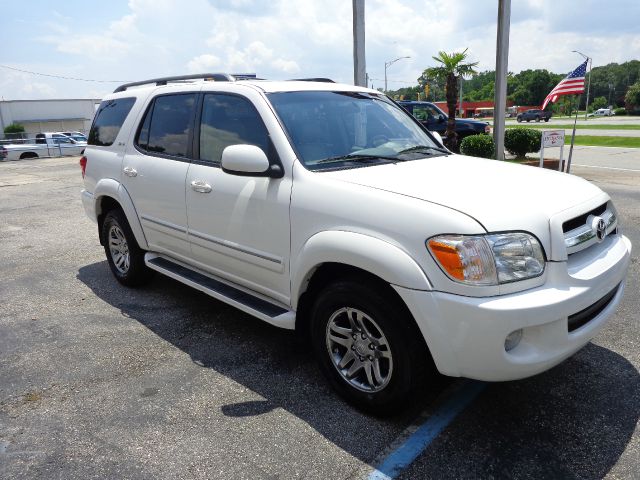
(552, 138)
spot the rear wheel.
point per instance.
(519, 119)
(125, 257)
(26, 155)
(368, 346)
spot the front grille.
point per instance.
(582, 219)
(583, 317)
(582, 232)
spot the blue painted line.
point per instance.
(417, 442)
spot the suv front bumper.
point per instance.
(466, 335)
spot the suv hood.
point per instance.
(499, 195)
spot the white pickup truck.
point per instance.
(328, 209)
(47, 144)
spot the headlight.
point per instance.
(488, 259)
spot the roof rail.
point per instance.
(218, 77)
(316, 79)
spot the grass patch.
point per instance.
(602, 141)
(569, 126)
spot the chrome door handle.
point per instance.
(200, 186)
(130, 171)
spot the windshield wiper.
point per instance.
(423, 147)
(356, 157)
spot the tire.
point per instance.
(124, 255)
(546, 120)
(537, 119)
(519, 119)
(355, 325)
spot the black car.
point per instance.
(533, 114)
(436, 120)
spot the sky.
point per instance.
(120, 41)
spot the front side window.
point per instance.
(167, 125)
(108, 120)
(348, 129)
(229, 120)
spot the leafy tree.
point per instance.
(598, 102)
(14, 128)
(632, 98)
(451, 67)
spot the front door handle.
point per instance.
(200, 186)
(130, 171)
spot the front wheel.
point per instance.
(124, 255)
(368, 346)
(546, 119)
(519, 119)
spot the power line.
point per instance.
(62, 77)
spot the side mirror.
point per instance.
(438, 138)
(440, 118)
(248, 161)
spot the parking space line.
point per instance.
(420, 437)
(608, 168)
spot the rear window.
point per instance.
(109, 119)
(166, 128)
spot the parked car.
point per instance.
(47, 144)
(329, 209)
(3, 152)
(602, 112)
(79, 137)
(436, 120)
(534, 114)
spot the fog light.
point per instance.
(512, 340)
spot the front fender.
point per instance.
(371, 254)
(109, 187)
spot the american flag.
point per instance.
(572, 83)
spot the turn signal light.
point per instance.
(83, 165)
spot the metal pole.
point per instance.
(359, 64)
(573, 135)
(385, 77)
(586, 108)
(502, 60)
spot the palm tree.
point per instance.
(452, 67)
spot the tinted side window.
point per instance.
(229, 120)
(171, 122)
(108, 121)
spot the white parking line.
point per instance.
(608, 168)
(416, 438)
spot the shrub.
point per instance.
(478, 146)
(14, 128)
(620, 111)
(520, 141)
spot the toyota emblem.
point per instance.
(599, 227)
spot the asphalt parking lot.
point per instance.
(100, 381)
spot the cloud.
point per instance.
(279, 39)
(203, 63)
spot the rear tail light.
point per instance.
(83, 165)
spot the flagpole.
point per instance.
(573, 135)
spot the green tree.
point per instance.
(14, 128)
(451, 67)
(598, 102)
(632, 98)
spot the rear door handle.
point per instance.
(200, 186)
(130, 171)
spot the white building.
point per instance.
(49, 115)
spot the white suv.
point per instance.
(329, 209)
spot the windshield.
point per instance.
(348, 129)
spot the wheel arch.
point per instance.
(110, 194)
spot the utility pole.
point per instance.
(502, 60)
(359, 63)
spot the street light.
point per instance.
(590, 60)
(387, 65)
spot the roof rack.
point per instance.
(218, 77)
(316, 79)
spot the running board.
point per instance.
(220, 290)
